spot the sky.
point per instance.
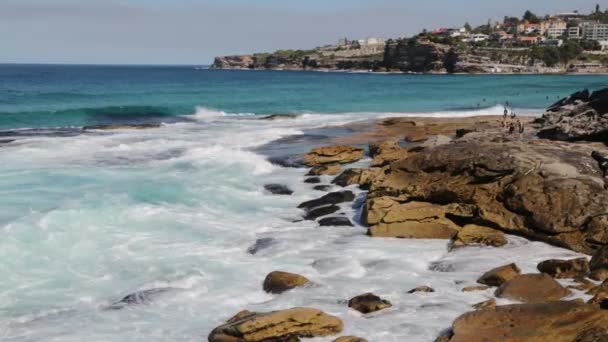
(194, 31)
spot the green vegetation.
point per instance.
(531, 17)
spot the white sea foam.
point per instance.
(87, 220)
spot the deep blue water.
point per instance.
(65, 96)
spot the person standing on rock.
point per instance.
(505, 113)
(511, 128)
(520, 126)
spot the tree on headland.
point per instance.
(569, 51)
(597, 8)
(531, 17)
(468, 27)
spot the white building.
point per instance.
(594, 31)
(371, 41)
(575, 32)
(476, 38)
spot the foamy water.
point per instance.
(89, 219)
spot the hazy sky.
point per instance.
(194, 31)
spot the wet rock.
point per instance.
(330, 170)
(555, 321)
(278, 189)
(333, 155)
(461, 132)
(600, 294)
(260, 244)
(312, 180)
(285, 325)
(279, 282)
(368, 302)
(499, 275)
(478, 235)
(475, 288)
(565, 268)
(488, 304)
(361, 177)
(599, 264)
(315, 213)
(122, 126)
(241, 315)
(412, 220)
(322, 187)
(339, 221)
(331, 198)
(532, 288)
(140, 297)
(286, 161)
(421, 289)
(350, 339)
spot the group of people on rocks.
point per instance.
(510, 126)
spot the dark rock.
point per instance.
(6, 141)
(368, 302)
(599, 101)
(312, 180)
(599, 264)
(122, 126)
(260, 244)
(580, 95)
(287, 161)
(278, 189)
(335, 221)
(322, 187)
(315, 213)
(461, 132)
(331, 198)
(573, 268)
(140, 297)
(421, 289)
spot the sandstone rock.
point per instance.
(478, 235)
(582, 284)
(285, 325)
(475, 288)
(538, 189)
(368, 302)
(565, 268)
(555, 321)
(600, 294)
(278, 189)
(488, 304)
(421, 289)
(279, 282)
(331, 198)
(330, 170)
(385, 152)
(241, 315)
(350, 339)
(333, 154)
(532, 288)
(499, 275)
(335, 221)
(599, 264)
(417, 220)
(361, 177)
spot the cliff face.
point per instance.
(410, 55)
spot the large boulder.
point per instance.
(286, 325)
(573, 268)
(532, 288)
(368, 302)
(577, 117)
(278, 189)
(555, 321)
(412, 220)
(538, 189)
(331, 198)
(279, 282)
(361, 177)
(499, 275)
(478, 235)
(333, 155)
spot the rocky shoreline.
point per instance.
(470, 182)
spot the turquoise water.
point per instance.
(66, 96)
(87, 218)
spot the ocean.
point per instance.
(90, 216)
